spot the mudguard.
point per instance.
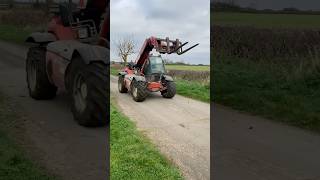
(122, 73)
(41, 37)
(167, 78)
(139, 78)
(68, 48)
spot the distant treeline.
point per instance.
(169, 62)
(182, 63)
(231, 7)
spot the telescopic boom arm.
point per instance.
(163, 46)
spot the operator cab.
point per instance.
(154, 68)
(85, 21)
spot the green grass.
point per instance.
(133, 156)
(193, 89)
(14, 165)
(114, 71)
(13, 33)
(266, 20)
(187, 68)
(285, 93)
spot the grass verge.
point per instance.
(114, 71)
(14, 165)
(283, 92)
(13, 33)
(132, 155)
(192, 89)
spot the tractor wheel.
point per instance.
(170, 91)
(90, 92)
(38, 83)
(121, 87)
(139, 90)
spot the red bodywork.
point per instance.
(56, 64)
(61, 32)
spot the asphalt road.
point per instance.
(179, 127)
(252, 148)
(51, 135)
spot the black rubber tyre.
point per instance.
(89, 89)
(139, 90)
(170, 92)
(37, 79)
(121, 87)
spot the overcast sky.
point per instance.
(277, 4)
(187, 20)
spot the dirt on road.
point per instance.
(53, 137)
(179, 127)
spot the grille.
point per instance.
(153, 77)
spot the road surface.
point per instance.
(53, 137)
(253, 148)
(179, 127)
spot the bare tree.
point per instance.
(125, 47)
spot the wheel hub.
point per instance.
(135, 91)
(119, 86)
(80, 92)
(32, 75)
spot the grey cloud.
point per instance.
(187, 20)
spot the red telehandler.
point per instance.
(73, 55)
(148, 73)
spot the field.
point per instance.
(187, 67)
(266, 20)
(265, 43)
(132, 155)
(24, 17)
(277, 77)
(17, 24)
(13, 33)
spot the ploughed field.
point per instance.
(266, 20)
